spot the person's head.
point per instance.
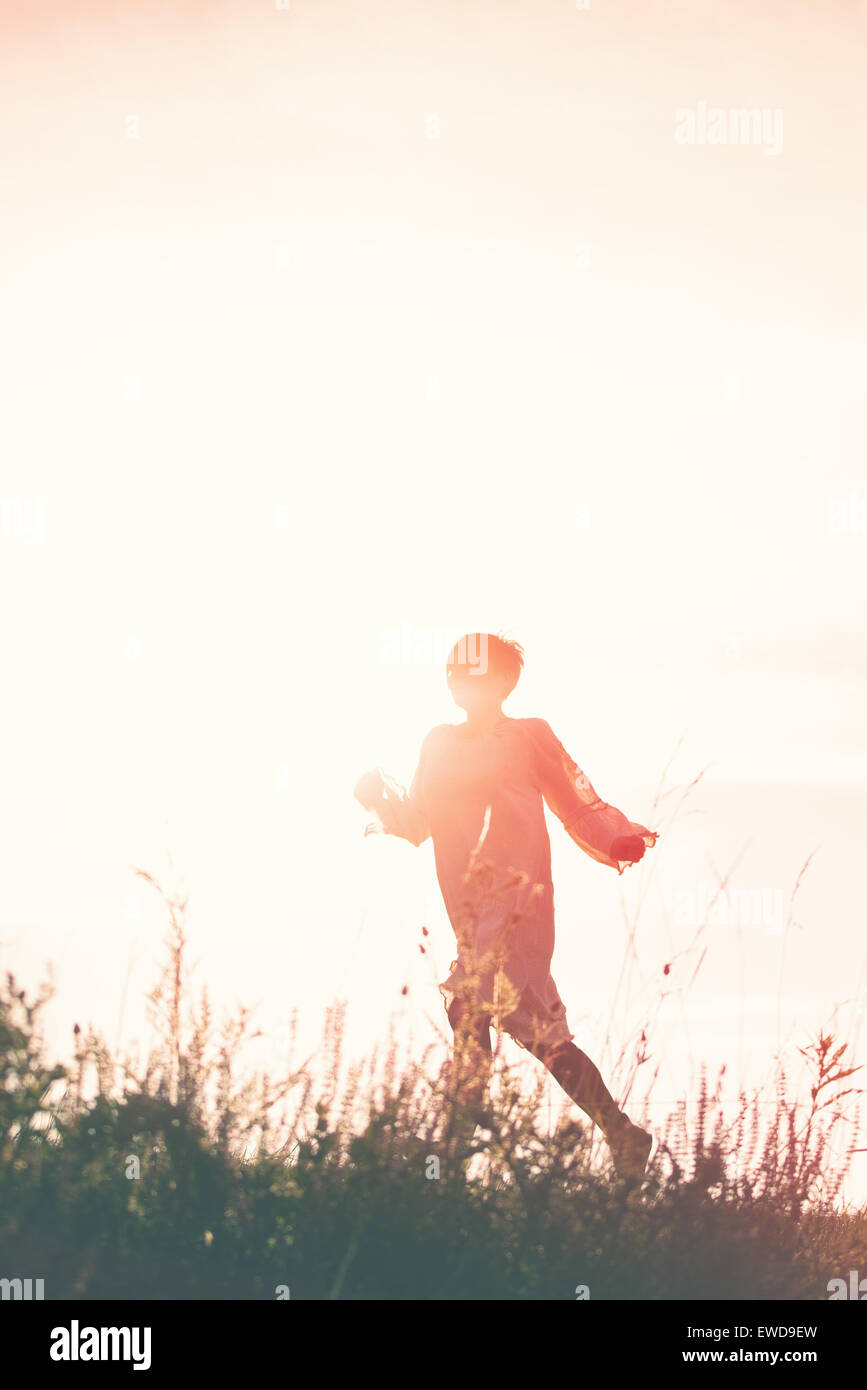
(482, 670)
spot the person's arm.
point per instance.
(396, 811)
(599, 829)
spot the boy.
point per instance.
(479, 791)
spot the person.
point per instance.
(479, 792)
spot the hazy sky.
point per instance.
(334, 326)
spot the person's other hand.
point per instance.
(628, 848)
(369, 789)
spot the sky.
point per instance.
(333, 331)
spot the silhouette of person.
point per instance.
(479, 792)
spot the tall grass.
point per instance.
(190, 1174)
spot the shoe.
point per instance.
(630, 1147)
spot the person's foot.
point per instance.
(630, 1147)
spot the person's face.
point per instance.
(474, 691)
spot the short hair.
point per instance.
(482, 653)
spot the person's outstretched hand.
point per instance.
(369, 789)
(627, 848)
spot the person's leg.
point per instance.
(581, 1079)
(472, 1056)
